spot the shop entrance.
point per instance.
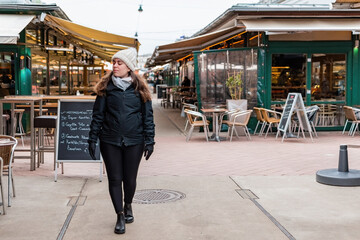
(319, 77)
(288, 74)
(7, 74)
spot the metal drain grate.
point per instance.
(80, 202)
(246, 194)
(154, 196)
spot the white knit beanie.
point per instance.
(128, 56)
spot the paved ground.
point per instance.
(286, 202)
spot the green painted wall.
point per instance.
(22, 76)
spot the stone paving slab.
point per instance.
(39, 209)
(307, 209)
(211, 210)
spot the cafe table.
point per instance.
(216, 113)
(13, 100)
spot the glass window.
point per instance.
(38, 74)
(328, 77)
(288, 74)
(7, 74)
(58, 76)
(76, 78)
(214, 69)
(94, 75)
(212, 75)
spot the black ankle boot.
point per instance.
(120, 224)
(129, 217)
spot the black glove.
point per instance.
(148, 150)
(92, 148)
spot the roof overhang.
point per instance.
(11, 25)
(270, 26)
(285, 11)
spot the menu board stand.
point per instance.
(72, 133)
(294, 103)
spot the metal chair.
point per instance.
(270, 120)
(189, 107)
(351, 117)
(229, 115)
(193, 116)
(356, 111)
(311, 113)
(261, 120)
(233, 123)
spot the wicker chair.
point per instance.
(7, 147)
(1, 185)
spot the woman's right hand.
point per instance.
(148, 150)
(92, 148)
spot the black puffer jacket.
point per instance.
(121, 117)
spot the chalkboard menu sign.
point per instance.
(287, 112)
(294, 103)
(74, 119)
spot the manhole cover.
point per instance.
(154, 196)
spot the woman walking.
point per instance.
(123, 121)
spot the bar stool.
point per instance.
(165, 98)
(6, 118)
(19, 128)
(41, 123)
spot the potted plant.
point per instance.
(234, 84)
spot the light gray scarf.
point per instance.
(122, 83)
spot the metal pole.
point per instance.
(48, 73)
(343, 159)
(59, 81)
(68, 78)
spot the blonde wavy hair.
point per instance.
(139, 84)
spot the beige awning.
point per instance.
(199, 42)
(11, 25)
(301, 25)
(177, 50)
(98, 42)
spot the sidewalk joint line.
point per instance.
(272, 219)
(70, 215)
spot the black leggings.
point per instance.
(122, 164)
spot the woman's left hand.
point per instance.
(148, 150)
